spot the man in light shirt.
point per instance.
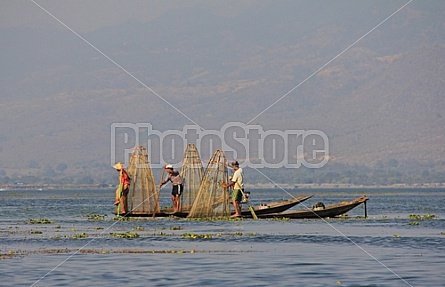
(237, 182)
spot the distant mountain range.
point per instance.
(380, 101)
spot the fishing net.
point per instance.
(191, 173)
(142, 196)
(212, 199)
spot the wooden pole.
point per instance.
(366, 211)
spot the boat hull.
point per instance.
(332, 210)
(272, 207)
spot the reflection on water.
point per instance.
(387, 249)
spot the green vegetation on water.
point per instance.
(40, 221)
(422, 217)
(127, 234)
(95, 216)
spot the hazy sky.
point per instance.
(86, 15)
(81, 15)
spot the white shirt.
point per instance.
(238, 179)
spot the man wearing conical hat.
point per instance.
(122, 189)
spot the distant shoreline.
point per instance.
(248, 186)
(332, 185)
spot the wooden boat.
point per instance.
(262, 209)
(331, 210)
(274, 207)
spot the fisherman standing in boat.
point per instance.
(237, 182)
(122, 189)
(176, 180)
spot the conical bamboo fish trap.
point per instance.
(212, 199)
(192, 172)
(142, 197)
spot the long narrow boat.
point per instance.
(271, 207)
(262, 209)
(274, 207)
(331, 210)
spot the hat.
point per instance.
(118, 166)
(235, 163)
(169, 166)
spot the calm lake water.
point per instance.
(80, 245)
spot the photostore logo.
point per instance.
(251, 145)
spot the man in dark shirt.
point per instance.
(176, 180)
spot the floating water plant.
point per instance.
(172, 251)
(40, 221)
(175, 228)
(422, 217)
(81, 235)
(196, 236)
(414, 223)
(36, 232)
(396, 235)
(429, 216)
(127, 234)
(95, 216)
(214, 218)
